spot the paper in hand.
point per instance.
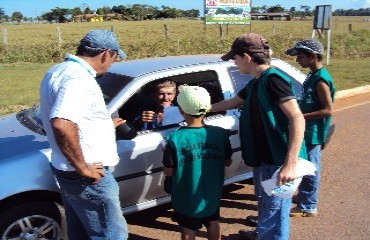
(287, 190)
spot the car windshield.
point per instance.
(110, 84)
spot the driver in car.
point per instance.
(153, 115)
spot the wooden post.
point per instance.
(273, 30)
(5, 36)
(227, 29)
(350, 27)
(112, 28)
(220, 30)
(166, 31)
(59, 37)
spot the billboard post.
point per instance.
(321, 23)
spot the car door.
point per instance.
(139, 172)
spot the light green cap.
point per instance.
(194, 100)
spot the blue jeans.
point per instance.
(273, 212)
(92, 211)
(309, 188)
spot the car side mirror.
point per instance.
(125, 131)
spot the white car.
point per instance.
(29, 195)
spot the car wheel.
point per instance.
(32, 220)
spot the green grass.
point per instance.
(33, 48)
(347, 73)
(19, 85)
(20, 81)
(140, 39)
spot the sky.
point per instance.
(33, 8)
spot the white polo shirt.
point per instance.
(69, 91)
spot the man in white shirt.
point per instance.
(82, 138)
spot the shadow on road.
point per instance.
(153, 217)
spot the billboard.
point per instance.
(322, 17)
(227, 11)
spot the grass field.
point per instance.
(39, 43)
(20, 81)
(33, 48)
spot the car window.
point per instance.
(238, 79)
(296, 84)
(143, 100)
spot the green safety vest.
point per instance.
(276, 124)
(316, 130)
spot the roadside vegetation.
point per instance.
(42, 43)
(32, 48)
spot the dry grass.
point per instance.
(33, 48)
(39, 43)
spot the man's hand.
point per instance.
(149, 116)
(94, 172)
(286, 174)
(118, 121)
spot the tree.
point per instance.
(192, 13)
(104, 10)
(275, 9)
(168, 12)
(17, 16)
(255, 9)
(306, 9)
(2, 13)
(88, 11)
(76, 11)
(263, 9)
(57, 14)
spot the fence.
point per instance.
(49, 42)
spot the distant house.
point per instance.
(271, 16)
(97, 17)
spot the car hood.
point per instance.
(16, 139)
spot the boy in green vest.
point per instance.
(195, 156)
(317, 107)
(271, 131)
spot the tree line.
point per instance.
(305, 10)
(135, 12)
(138, 12)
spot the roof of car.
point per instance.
(138, 67)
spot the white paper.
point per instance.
(171, 115)
(287, 190)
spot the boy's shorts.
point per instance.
(195, 223)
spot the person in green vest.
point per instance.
(195, 156)
(271, 131)
(317, 107)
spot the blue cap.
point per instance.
(102, 39)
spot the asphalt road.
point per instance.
(344, 195)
